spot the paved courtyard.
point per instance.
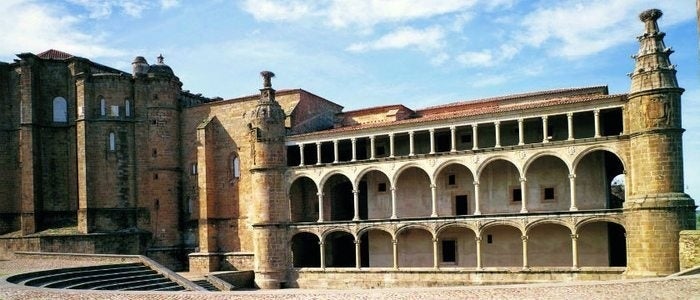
(687, 287)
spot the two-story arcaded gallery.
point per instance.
(568, 184)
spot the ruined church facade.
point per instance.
(563, 184)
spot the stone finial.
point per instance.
(650, 15)
(160, 59)
(267, 78)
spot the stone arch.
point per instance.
(339, 248)
(298, 230)
(609, 219)
(332, 173)
(325, 233)
(601, 242)
(547, 187)
(544, 153)
(566, 224)
(415, 246)
(592, 149)
(366, 171)
(446, 226)
(306, 250)
(549, 244)
(500, 190)
(296, 176)
(454, 183)
(374, 195)
(376, 248)
(595, 169)
(449, 162)
(338, 201)
(510, 223)
(303, 199)
(413, 192)
(491, 159)
(395, 176)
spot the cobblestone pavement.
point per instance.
(687, 287)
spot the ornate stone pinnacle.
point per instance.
(267, 78)
(650, 15)
(160, 59)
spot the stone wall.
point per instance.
(689, 249)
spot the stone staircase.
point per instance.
(206, 284)
(120, 277)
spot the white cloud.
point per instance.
(167, 4)
(37, 28)
(103, 9)
(271, 10)
(367, 13)
(482, 58)
(405, 37)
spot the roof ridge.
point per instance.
(54, 54)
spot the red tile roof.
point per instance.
(54, 54)
(471, 109)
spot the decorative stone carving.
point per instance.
(657, 111)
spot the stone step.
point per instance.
(175, 288)
(47, 279)
(71, 281)
(151, 286)
(134, 283)
(22, 278)
(121, 280)
(206, 284)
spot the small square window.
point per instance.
(381, 187)
(516, 195)
(451, 179)
(548, 194)
(489, 239)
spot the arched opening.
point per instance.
(415, 248)
(548, 184)
(337, 190)
(501, 246)
(234, 167)
(303, 200)
(413, 194)
(339, 249)
(306, 251)
(549, 245)
(60, 110)
(594, 175)
(376, 249)
(375, 195)
(499, 188)
(103, 107)
(112, 142)
(455, 191)
(457, 247)
(602, 244)
(127, 108)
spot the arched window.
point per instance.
(235, 167)
(103, 107)
(60, 110)
(112, 142)
(127, 108)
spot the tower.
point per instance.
(269, 206)
(656, 209)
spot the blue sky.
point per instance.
(363, 53)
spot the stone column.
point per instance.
(357, 254)
(320, 206)
(477, 208)
(572, 190)
(410, 144)
(335, 151)
(521, 132)
(433, 193)
(321, 246)
(436, 264)
(570, 125)
(393, 202)
(478, 253)
(356, 204)
(453, 139)
(574, 251)
(523, 195)
(475, 136)
(318, 153)
(545, 134)
(354, 149)
(596, 122)
(395, 251)
(371, 147)
(391, 144)
(525, 264)
(432, 141)
(497, 126)
(301, 155)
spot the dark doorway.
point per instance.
(461, 205)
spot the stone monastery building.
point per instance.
(508, 189)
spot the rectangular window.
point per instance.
(451, 179)
(461, 205)
(449, 251)
(155, 176)
(516, 195)
(489, 239)
(381, 187)
(154, 152)
(194, 169)
(548, 194)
